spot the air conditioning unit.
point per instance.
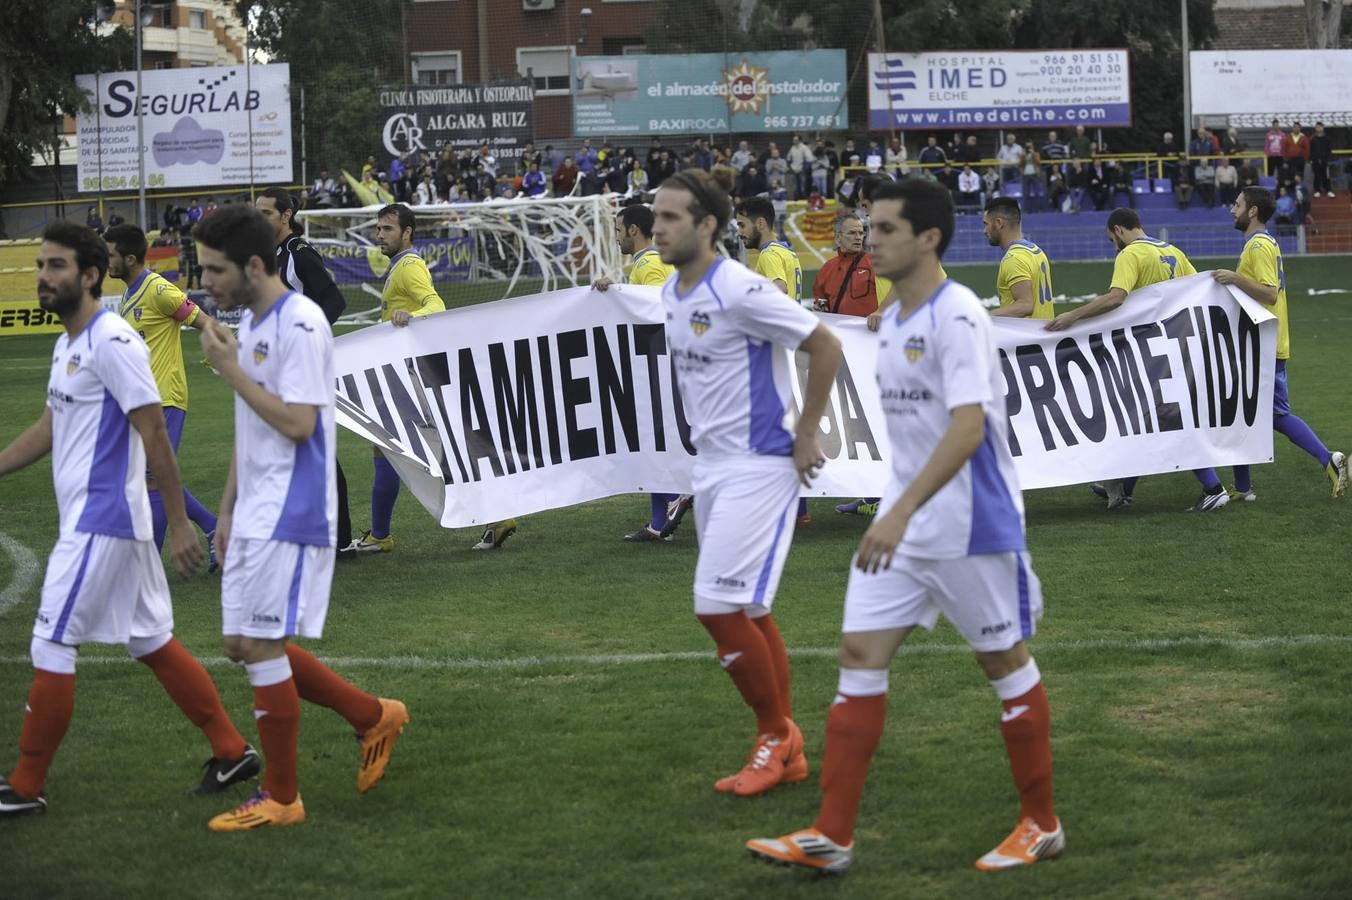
(535, 5)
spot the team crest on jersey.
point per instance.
(915, 348)
(72, 364)
(136, 313)
(699, 323)
(260, 352)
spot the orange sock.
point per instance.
(51, 701)
(189, 685)
(1027, 728)
(743, 653)
(779, 656)
(853, 728)
(317, 683)
(277, 709)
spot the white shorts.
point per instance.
(275, 589)
(101, 589)
(994, 600)
(744, 516)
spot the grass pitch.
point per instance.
(1197, 668)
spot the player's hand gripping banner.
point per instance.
(509, 408)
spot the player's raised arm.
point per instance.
(29, 447)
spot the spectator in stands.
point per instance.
(751, 183)
(115, 217)
(1287, 211)
(654, 156)
(832, 167)
(618, 180)
(426, 191)
(1301, 192)
(969, 190)
(1100, 183)
(932, 155)
(586, 157)
(565, 177)
(741, 157)
(552, 158)
(1169, 151)
(846, 153)
(845, 284)
(188, 268)
(1227, 182)
(368, 166)
(666, 167)
(1058, 192)
(1121, 183)
(895, 158)
(1321, 153)
(1205, 178)
(969, 152)
(94, 220)
(776, 169)
(1198, 149)
(322, 191)
(1077, 180)
(873, 159)
(1080, 145)
(1011, 158)
(815, 200)
(533, 182)
(530, 155)
(822, 174)
(1248, 174)
(398, 166)
(638, 179)
(1286, 175)
(1054, 150)
(990, 185)
(800, 167)
(1272, 146)
(1183, 183)
(1231, 145)
(1031, 180)
(703, 158)
(194, 211)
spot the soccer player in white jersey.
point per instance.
(728, 330)
(278, 517)
(105, 582)
(949, 540)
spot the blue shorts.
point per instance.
(174, 418)
(1281, 401)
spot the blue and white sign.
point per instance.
(973, 89)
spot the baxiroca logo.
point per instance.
(260, 352)
(914, 348)
(699, 323)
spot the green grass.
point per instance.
(1204, 767)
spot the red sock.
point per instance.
(277, 709)
(743, 653)
(853, 728)
(1027, 729)
(317, 683)
(779, 656)
(189, 686)
(51, 701)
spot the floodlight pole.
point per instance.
(140, 128)
(1187, 77)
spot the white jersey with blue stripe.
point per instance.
(936, 358)
(98, 460)
(286, 491)
(725, 337)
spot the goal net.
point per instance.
(474, 251)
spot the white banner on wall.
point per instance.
(1255, 86)
(540, 402)
(999, 89)
(202, 127)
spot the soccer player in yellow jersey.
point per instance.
(634, 235)
(408, 293)
(1141, 261)
(776, 261)
(1261, 276)
(157, 310)
(1024, 281)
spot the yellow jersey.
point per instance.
(408, 286)
(647, 268)
(1146, 261)
(1025, 261)
(777, 261)
(157, 309)
(885, 286)
(1262, 262)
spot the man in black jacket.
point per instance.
(1321, 153)
(302, 269)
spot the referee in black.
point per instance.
(302, 268)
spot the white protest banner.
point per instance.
(540, 402)
(201, 127)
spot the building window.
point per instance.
(197, 19)
(623, 46)
(550, 68)
(436, 68)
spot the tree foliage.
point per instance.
(1150, 29)
(44, 44)
(339, 54)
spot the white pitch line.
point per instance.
(419, 663)
(25, 572)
